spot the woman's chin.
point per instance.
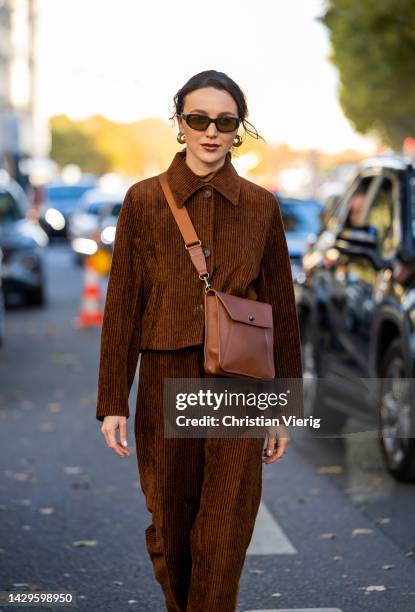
(210, 156)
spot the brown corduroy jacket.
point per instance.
(155, 298)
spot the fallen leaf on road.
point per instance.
(80, 543)
(25, 405)
(46, 427)
(89, 399)
(55, 407)
(19, 475)
(327, 536)
(72, 469)
(330, 469)
(65, 359)
(315, 491)
(256, 571)
(47, 510)
(373, 587)
(362, 531)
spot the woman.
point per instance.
(203, 494)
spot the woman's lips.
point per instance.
(210, 147)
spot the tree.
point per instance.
(71, 145)
(373, 47)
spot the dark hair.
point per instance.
(220, 80)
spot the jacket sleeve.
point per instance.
(121, 327)
(276, 287)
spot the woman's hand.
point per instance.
(277, 441)
(109, 427)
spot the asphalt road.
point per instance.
(72, 514)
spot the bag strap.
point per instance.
(192, 242)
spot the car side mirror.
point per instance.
(360, 242)
(365, 235)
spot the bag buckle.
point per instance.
(204, 277)
(192, 244)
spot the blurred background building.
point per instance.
(23, 134)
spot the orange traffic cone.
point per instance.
(90, 314)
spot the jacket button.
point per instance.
(207, 193)
(206, 252)
(199, 308)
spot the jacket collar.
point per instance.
(184, 182)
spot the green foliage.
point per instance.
(71, 145)
(373, 47)
(99, 145)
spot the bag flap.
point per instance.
(243, 310)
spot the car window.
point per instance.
(300, 217)
(412, 191)
(9, 209)
(356, 203)
(115, 210)
(380, 216)
(95, 208)
(65, 192)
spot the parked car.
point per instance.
(302, 224)
(358, 308)
(59, 202)
(21, 242)
(2, 309)
(94, 220)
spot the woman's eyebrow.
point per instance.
(200, 110)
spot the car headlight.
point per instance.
(84, 246)
(108, 234)
(297, 272)
(55, 219)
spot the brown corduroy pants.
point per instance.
(203, 495)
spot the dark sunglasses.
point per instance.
(202, 122)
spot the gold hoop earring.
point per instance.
(181, 138)
(238, 141)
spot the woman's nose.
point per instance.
(211, 130)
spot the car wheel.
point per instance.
(314, 353)
(309, 364)
(395, 415)
(37, 296)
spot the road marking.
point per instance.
(268, 538)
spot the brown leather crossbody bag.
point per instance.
(239, 337)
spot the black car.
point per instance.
(21, 243)
(357, 308)
(2, 313)
(302, 223)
